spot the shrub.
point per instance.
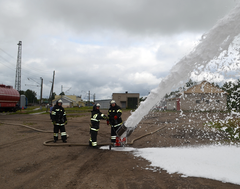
(231, 127)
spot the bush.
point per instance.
(231, 127)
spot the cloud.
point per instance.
(101, 46)
(143, 78)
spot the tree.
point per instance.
(233, 97)
(52, 97)
(31, 96)
(187, 85)
(190, 83)
(141, 99)
(62, 93)
(54, 94)
(21, 92)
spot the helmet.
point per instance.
(98, 105)
(113, 102)
(60, 101)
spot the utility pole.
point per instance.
(66, 90)
(41, 93)
(41, 89)
(94, 96)
(88, 98)
(51, 92)
(18, 68)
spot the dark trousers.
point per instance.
(93, 139)
(113, 133)
(56, 128)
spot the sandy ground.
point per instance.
(26, 163)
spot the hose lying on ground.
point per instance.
(46, 143)
(146, 135)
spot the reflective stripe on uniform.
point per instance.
(55, 134)
(119, 110)
(60, 124)
(63, 133)
(92, 119)
(94, 129)
(94, 143)
(113, 137)
(116, 125)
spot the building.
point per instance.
(105, 104)
(126, 100)
(201, 97)
(69, 101)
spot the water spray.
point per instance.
(221, 46)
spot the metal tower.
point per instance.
(18, 68)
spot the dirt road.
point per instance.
(26, 163)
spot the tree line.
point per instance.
(32, 97)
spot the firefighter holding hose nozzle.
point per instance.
(115, 120)
(95, 121)
(59, 121)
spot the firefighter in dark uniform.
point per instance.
(115, 120)
(59, 120)
(95, 121)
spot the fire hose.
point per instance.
(46, 143)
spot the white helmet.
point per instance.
(60, 101)
(98, 105)
(113, 102)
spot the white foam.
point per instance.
(213, 162)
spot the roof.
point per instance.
(204, 87)
(64, 99)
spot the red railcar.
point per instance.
(9, 98)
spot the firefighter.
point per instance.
(115, 120)
(95, 121)
(59, 121)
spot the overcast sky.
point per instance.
(101, 46)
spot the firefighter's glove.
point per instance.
(115, 117)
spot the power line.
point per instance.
(13, 64)
(7, 61)
(8, 54)
(7, 66)
(26, 74)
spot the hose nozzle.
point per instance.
(124, 131)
